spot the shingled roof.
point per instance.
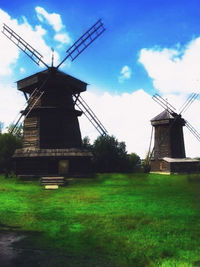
(165, 115)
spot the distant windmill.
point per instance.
(168, 154)
(51, 135)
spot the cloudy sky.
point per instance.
(149, 46)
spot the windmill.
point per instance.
(168, 154)
(52, 142)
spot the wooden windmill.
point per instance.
(168, 154)
(52, 143)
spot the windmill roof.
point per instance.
(165, 115)
(27, 83)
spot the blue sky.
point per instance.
(131, 26)
(149, 46)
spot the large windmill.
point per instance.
(52, 142)
(168, 154)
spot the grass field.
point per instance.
(112, 220)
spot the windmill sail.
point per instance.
(31, 102)
(164, 103)
(29, 108)
(192, 130)
(188, 102)
(84, 41)
(83, 106)
(23, 45)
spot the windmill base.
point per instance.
(175, 165)
(34, 163)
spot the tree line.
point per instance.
(109, 155)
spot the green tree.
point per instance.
(134, 162)
(18, 132)
(8, 144)
(146, 163)
(109, 154)
(86, 143)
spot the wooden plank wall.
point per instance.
(31, 132)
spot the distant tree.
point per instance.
(8, 144)
(134, 162)
(109, 154)
(86, 143)
(146, 163)
(18, 130)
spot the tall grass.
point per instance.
(112, 220)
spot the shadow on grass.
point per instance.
(36, 250)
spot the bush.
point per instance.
(8, 144)
(110, 155)
(134, 162)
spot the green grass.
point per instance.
(112, 220)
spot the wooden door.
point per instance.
(63, 167)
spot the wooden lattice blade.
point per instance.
(84, 41)
(90, 115)
(23, 45)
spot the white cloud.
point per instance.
(125, 74)
(174, 70)
(22, 70)
(52, 18)
(9, 53)
(125, 116)
(11, 103)
(63, 38)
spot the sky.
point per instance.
(149, 46)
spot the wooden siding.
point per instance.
(169, 141)
(162, 142)
(31, 132)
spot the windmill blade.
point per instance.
(83, 106)
(192, 130)
(35, 96)
(30, 106)
(23, 45)
(188, 102)
(164, 103)
(84, 41)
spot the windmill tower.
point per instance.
(52, 143)
(168, 154)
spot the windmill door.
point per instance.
(63, 167)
